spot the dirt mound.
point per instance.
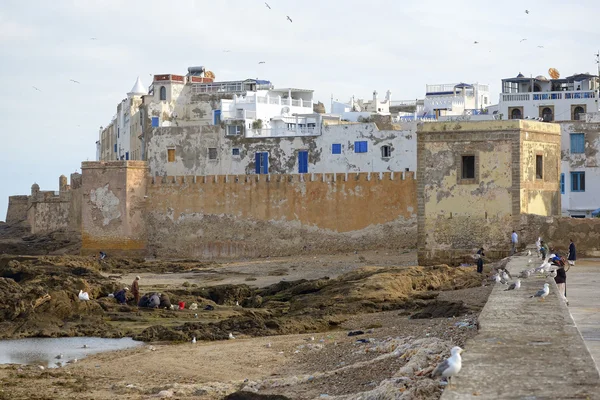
(254, 396)
(17, 239)
(442, 309)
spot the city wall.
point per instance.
(17, 209)
(269, 215)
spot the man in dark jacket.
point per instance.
(121, 296)
(572, 253)
(480, 260)
(561, 283)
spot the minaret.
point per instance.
(138, 89)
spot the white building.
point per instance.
(359, 109)
(456, 99)
(565, 101)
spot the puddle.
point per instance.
(47, 351)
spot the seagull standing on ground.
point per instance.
(449, 367)
(514, 286)
(542, 293)
(231, 336)
(194, 339)
(288, 17)
(528, 253)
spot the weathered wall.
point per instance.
(75, 204)
(191, 146)
(279, 215)
(48, 211)
(113, 206)
(17, 209)
(457, 216)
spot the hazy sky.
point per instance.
(339, 47)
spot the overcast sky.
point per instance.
(339, 47)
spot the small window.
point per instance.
(360, 147)
(155, 122)
(539, 167)
(547, 114)
(562, 183)
(577, 181)
(577, 113)
(115, 147)
(234, 130)
(127, 155)
(171, 155)
(577, 143)
(468, 167)
(235, 152)
(217, 117)
(163, 93)
(386, 151)
(516, 114)
(118, 132)
(336, 148)
(212, 153)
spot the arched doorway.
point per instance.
(516, 114)
(547, 114)
(577, 113)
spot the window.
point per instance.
(118, 132)
(234, 130)
(217, 117)
(539, 167)
(577, 181)
(235, 152)
(127, 155)
(155, 122)
(547, 114)
(515, 113)
(336, 148)
(485, 100)
(303, 162)
(262, 163)
(577, 143)
(386, 151)
(577, 111)
(212, 153)
(360, 147)
(163, 93)
(170, 155)
(115, 147)
(468, 167)
(562, 183)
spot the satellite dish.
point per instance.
(554, 74)
(209, 74)
(285, 111)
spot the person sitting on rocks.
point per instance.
(154, 300)
(165, 302)
(121, 296)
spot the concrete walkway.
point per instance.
(526, 348)
(583, 292)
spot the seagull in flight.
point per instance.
(540, 47)
(526, 11)
(476, 42)
(288, 17)
(36, 89)
(268, 6)
(522, 40)
(226, 51)
(93, 38)
(261, 62)
(74, 81)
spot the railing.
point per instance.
(407, 118)
(238, 114)
(282, 132)
(273, 100)
(403, 103)
(544, 96)
(297, 103)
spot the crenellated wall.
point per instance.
(260, 215)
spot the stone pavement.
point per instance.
(583, 292)
(526, 348)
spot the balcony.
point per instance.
(274, 100)
(546, 96)
(238, 114)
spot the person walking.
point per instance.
(572, 253)
(515, 241)
(543, 249)
(480, 260)
(561, 283)
(135, 290)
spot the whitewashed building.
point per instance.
(359, 109)
(456, 99)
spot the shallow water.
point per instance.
(44, 351)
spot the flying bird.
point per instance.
(93, 38)
(449, 367)
(522, 40)
(526, 11)
(74, 81)
(268, 6)
(261, 62)
(514, 285)
(540, 47)
(476, 42)
(36, 89)
(542, 293)
(226, 51)
(288, 17)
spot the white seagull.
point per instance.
(514, 285)
(194, 339)
(84, 296)
(449, 367)
(528, 253)
(542, 293)
(231, 336)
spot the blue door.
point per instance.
(127, 155)
(303, 162)
(217, 117)
(262, 163)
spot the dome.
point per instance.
(35, 186)
(138, 88)
(541, 78)
(520, 75)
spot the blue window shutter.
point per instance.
(127, 155)
(360, 147)
(562, 183)
(257, 159)
(155, 122)
(115, 147)
(336, 148)
(365, 147)
(577, 143)
(265, 163)
(217, 117)
(303, 162)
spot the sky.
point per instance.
(335, 47)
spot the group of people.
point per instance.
(561, 273)
(149, 300)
